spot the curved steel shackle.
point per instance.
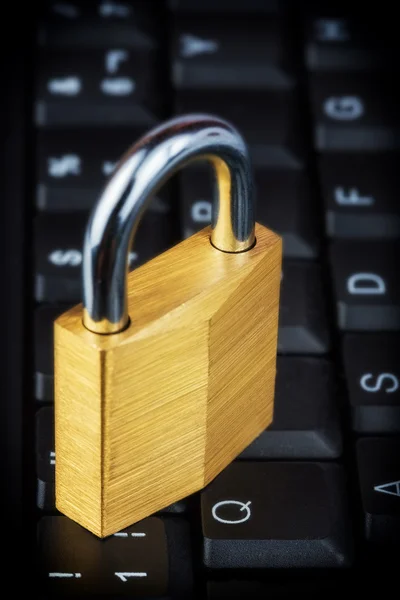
(140, 173)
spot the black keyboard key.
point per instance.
(372, 370)
(45, 459)
(73, 166)
(303, 327)
(366, 285)
(306, 424)
(284, 204)
(231, 53)
(379, 477)
(44, 318)
(269, 121)
(255, 587)
(346, 44)
(360, 193)
(354, 112)
(58, 246)
(58, 254)
(115, 86)
(96, 24)
(224, 6)
(148, 560)
(266, 514)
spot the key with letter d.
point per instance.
(366, 285)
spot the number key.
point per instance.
(372, 370)
(115, 86)
(224, 6)
(137, 562)
(96, 24)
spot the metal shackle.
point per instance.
(142, 170)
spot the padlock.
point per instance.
(165, 374)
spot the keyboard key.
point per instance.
(379, 477)
(44, 318)
(97, 87)
(354, 112)
(372, 371)
(306, 424)
(303, 327)
(96, 24)
(366, 285)
(224, 6)
(276, 515)
(277, 588)
(346, 44)
(269, 121)
(45, 459)
(230, 53)
(148, 560)
(284, 204)
(73, 166)
(58, 244)
(59, 239)
(360, 193)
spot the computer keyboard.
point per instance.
(312, 506)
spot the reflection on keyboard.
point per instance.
(315, 98)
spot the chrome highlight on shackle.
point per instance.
(142, 170)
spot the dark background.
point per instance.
(16, 188)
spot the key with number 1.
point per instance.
(148, 560)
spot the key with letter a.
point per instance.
(379, 478)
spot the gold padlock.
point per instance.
(167, 373)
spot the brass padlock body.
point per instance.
(150, 415)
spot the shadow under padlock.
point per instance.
(163, 376)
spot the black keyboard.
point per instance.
(312, 506)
